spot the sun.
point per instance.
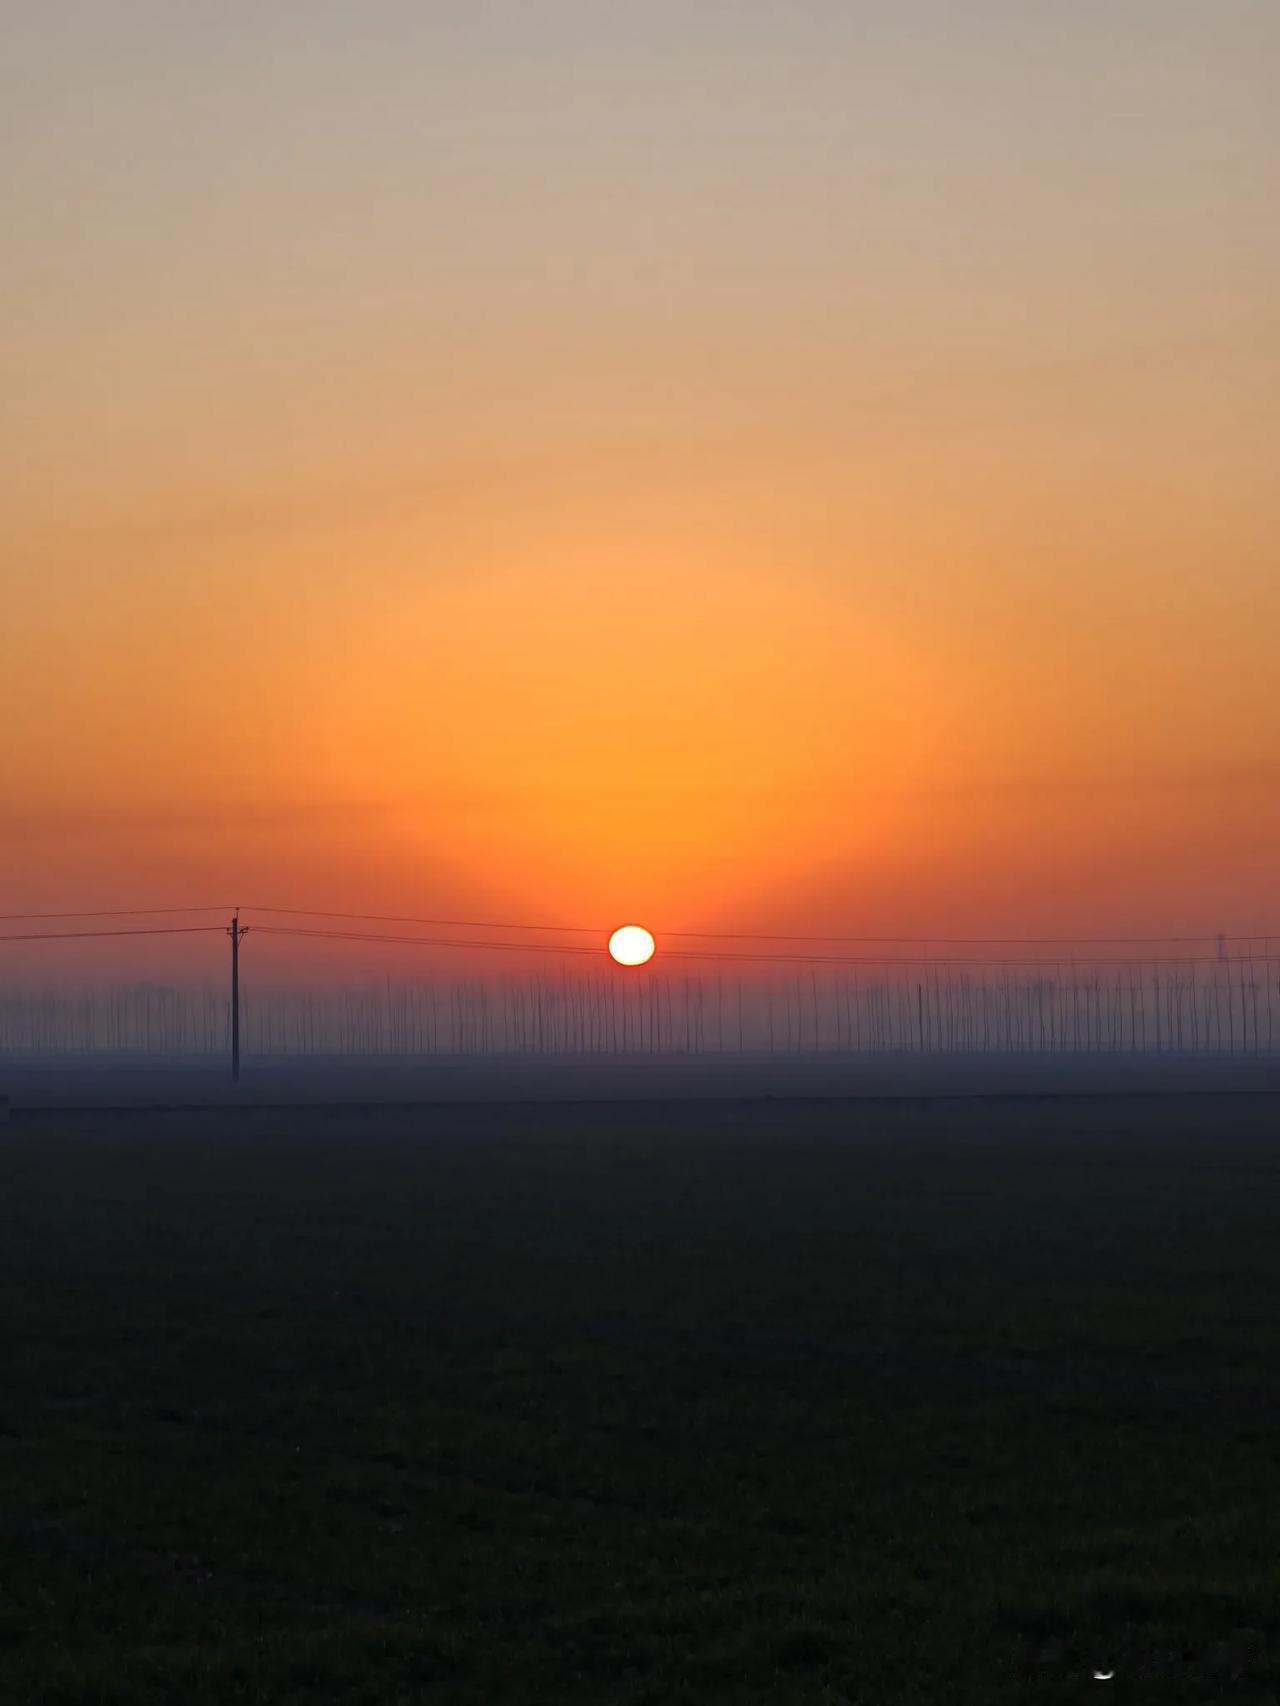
(631, 945)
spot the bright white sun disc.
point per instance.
(631, 945)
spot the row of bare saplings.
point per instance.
(1235, 1009)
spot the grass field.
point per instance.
(949, 1403)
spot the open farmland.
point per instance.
(878, 1402)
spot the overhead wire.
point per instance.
(80, 935)
(701, 954)
(956, 941)
(723, 955)
(113, 912)
(1037, 962)
(759, 935)
(423, 941)
(443, 923)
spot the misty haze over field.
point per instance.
(1234, 1009)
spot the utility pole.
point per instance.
(236, 930)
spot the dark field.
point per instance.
(880, 1402)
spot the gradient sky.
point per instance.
(782, 464)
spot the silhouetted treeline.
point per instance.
(1230, 1009)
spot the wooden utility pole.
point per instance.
(236, 930)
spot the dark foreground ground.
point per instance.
(879, 1403)
(319, 1081)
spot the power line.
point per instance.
(425, 941)
(1038, 963)
(79, 935)
(703, 954)
(881, 960)
(112, 912)
(442, 923)
(762, 935)
(959, 941)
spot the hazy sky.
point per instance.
(694, 461)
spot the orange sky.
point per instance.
(817, 475)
